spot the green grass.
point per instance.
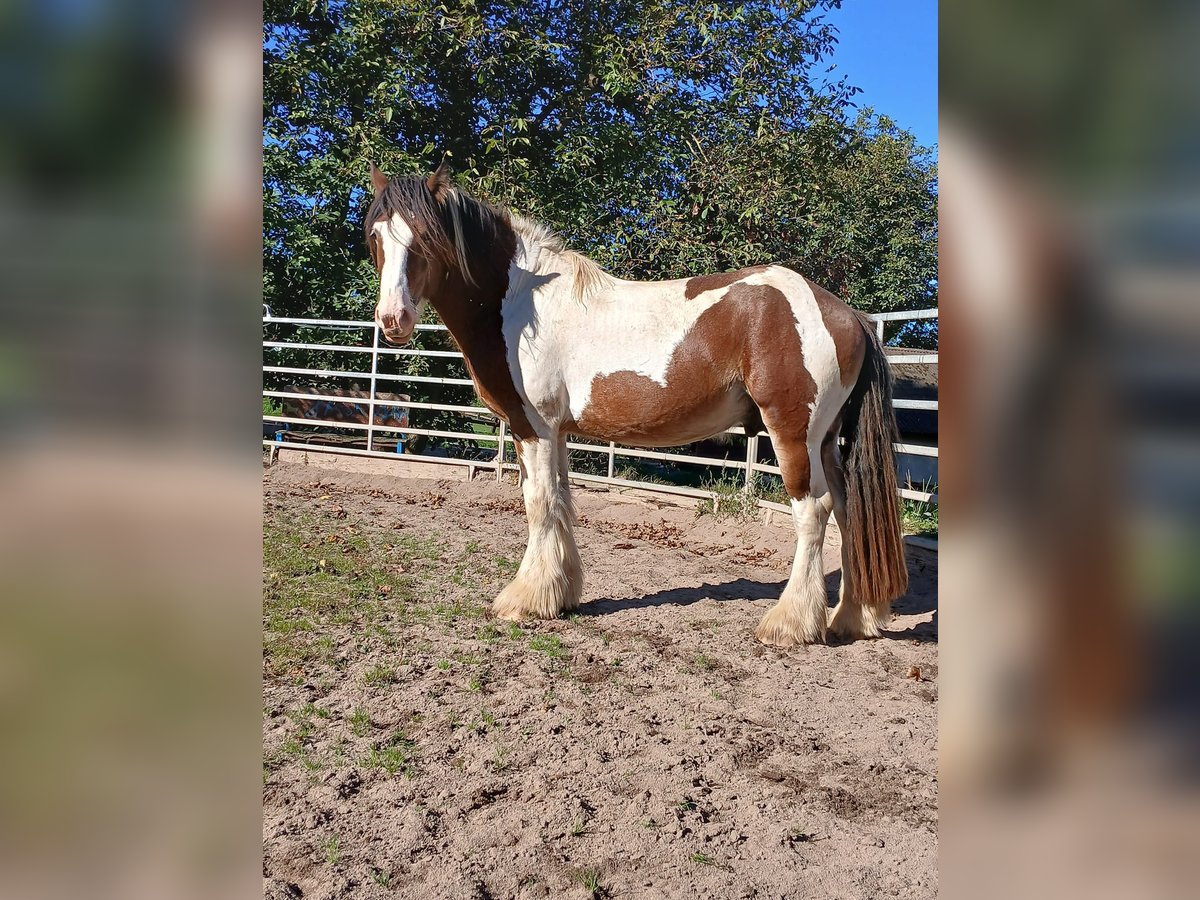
(332, 849)
(360, 722)
(380, 674)
(768, 486)
(550, 644)
(381, 878)
(703, 859)
(631, 472)
(918, 517)
(397, 754)
(590, 879)
(729, 498)
(319, 570)
(501, 761)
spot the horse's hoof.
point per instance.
(780, 629)
(516, 606)
(853, 623)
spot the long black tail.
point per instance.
(875, 548)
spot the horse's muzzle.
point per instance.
(397, 329)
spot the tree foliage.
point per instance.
(662, 137)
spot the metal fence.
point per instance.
(377, 433)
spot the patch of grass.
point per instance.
(488, 634)
(331, 846)
(651, 824)
(631, 472)
(319, 569)
(444, 665)
(768, 486)
(590, 879)
(360, 722)
(687, 804)
(501, 761)
(578, 827)
(380, 877)
(397, 754)
(380, 674)
(704, 663)
(514, 631)
(729, 500)
(308, 710)
(919, 517)
(506, 567)
(703, 859)
(550, 644)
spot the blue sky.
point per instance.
(889, 49)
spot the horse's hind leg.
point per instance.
(550, 579)
(799, 616)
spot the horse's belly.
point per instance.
(633, 409)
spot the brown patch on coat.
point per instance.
(742, 351)
(844, 327)
(375, 247)
(701, 283)
(472, 314)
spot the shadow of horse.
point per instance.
(744, 589)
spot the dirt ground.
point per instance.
(645, 747)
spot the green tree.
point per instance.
(662, 137)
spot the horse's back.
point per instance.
(672, 361)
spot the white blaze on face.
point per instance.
(397, 311)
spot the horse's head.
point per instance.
(408, 236)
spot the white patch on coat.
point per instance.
(395, 238)
(820, 359)
(558, 344)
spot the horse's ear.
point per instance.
(378, 180)
(439, 182)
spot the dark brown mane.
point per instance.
(452, 228)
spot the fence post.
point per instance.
(612, 458)
(371, 402)
(879, 329)
(751, 459)
(500, 454)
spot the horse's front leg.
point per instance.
(550, 580)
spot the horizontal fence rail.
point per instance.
(371, 407)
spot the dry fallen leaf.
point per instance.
(913, 672)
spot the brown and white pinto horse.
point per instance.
(556, 346)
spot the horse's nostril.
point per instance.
(388, 321)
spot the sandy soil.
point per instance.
(645, 747)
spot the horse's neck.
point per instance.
(471, 311)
